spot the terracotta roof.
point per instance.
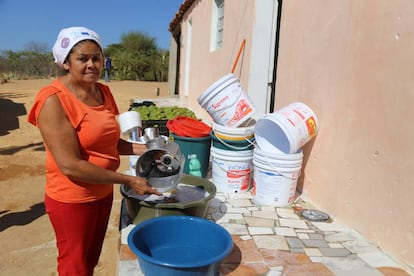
(179, 14)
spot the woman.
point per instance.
(76, 118)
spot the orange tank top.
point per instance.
(98, 133)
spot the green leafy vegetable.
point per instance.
(154, 112)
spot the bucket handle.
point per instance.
(276, 170)
(234, 147)
(250, 142)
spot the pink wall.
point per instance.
(208, 66)
(352, 62)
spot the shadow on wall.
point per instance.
(9, 112)
(306, 153)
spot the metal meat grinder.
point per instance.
(162, 163)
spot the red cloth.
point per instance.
(98, 133)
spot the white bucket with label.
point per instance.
(275, 178)
(227, 102)
(287, 130)
(231, 170)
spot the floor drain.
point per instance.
(314, 215)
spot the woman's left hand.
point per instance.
(141, 186)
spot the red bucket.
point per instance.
(188, 127)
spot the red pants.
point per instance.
(80, 231)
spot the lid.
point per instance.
(188, 127)
(314, 215)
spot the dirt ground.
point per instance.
(26, 236)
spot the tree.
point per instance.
(29, 63)
(137, 58)
(161, 66)
(36, 47)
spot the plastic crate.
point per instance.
(161, 124)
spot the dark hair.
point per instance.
(79, 43)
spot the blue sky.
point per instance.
(23, 22)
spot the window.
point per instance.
(217, 25)
(188, 57)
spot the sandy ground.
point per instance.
(26, 236)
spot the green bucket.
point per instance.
(199, 146)
(232, 145)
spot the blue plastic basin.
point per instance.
(179, 245)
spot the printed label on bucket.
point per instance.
(243, 109)
(231, 178)
(312, 127)
(239, 178)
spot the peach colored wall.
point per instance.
(206, 67)
(352, 62)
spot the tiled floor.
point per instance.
(278, 241)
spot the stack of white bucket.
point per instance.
(232, 158)
(278, 155)
(232, 134)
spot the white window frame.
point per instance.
(217, 25)
(188, 58)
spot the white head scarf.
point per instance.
(68, 37)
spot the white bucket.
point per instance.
(231, 170)
(227, 102)
(275, 178)
(287, 130)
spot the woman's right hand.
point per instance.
(141, 186)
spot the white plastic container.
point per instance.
(227, 102)
(275, 177)
(231, 170)
(287, 130)
(130, 124)
(128, 120)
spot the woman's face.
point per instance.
(85, 62)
